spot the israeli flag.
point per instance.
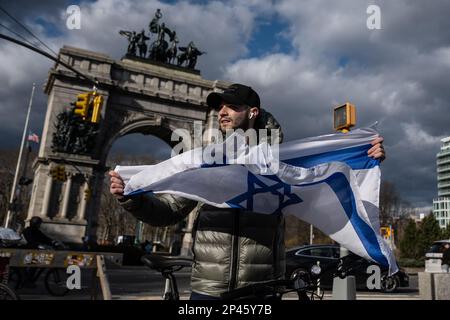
(328, 181)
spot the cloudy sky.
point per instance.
(303, 56)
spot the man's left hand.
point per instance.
(377, 151)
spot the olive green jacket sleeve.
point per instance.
(158, 210)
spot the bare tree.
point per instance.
(114, 220)
(390, 203)
(8, 161)
(298, 233)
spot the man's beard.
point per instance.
(244, 125)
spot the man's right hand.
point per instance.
(117, 185)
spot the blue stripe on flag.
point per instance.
(340, 185)
(138, 192)
(355, 157)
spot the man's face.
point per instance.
(233, 117)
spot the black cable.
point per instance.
(45, 54)
(16, 34)
(24, 27)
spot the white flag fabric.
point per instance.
(328, 181)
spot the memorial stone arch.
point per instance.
(140, 96)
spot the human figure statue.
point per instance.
(132, 41)
(154, 24)
(162, 33)
(172, 51)
(142, 45)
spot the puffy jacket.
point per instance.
(231, 247)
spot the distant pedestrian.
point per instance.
(446, 257)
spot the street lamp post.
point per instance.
(344, 119)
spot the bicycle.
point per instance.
(6, 293)
(54, 279)
(7, 238)
(303, 283)
(167, 265)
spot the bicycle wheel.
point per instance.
(15, 278)
(6, 293)
(55, 282)
(389, 284)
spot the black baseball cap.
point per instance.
(236, 94)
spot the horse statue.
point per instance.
(189, 55)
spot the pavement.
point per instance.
(141, 283)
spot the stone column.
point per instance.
(66, 198)
(210, 125)
(83, 203)
(47, 195)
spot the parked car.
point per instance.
(301, 259)
(433, 257)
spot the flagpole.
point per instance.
(19, 160)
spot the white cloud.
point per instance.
(417, 137)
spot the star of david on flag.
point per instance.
(275, 191)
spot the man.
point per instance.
(35, 236)
(231, 248)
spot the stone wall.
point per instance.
(434, 286)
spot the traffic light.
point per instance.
(89, 106)
(344, 117)
(87, 194)
(54, 173)
(62, 173)
(59, 173)
(386, 232)
(83, 104)
(96, 108)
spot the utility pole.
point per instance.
(14, 194)
(344, 118)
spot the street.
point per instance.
(140, 283)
